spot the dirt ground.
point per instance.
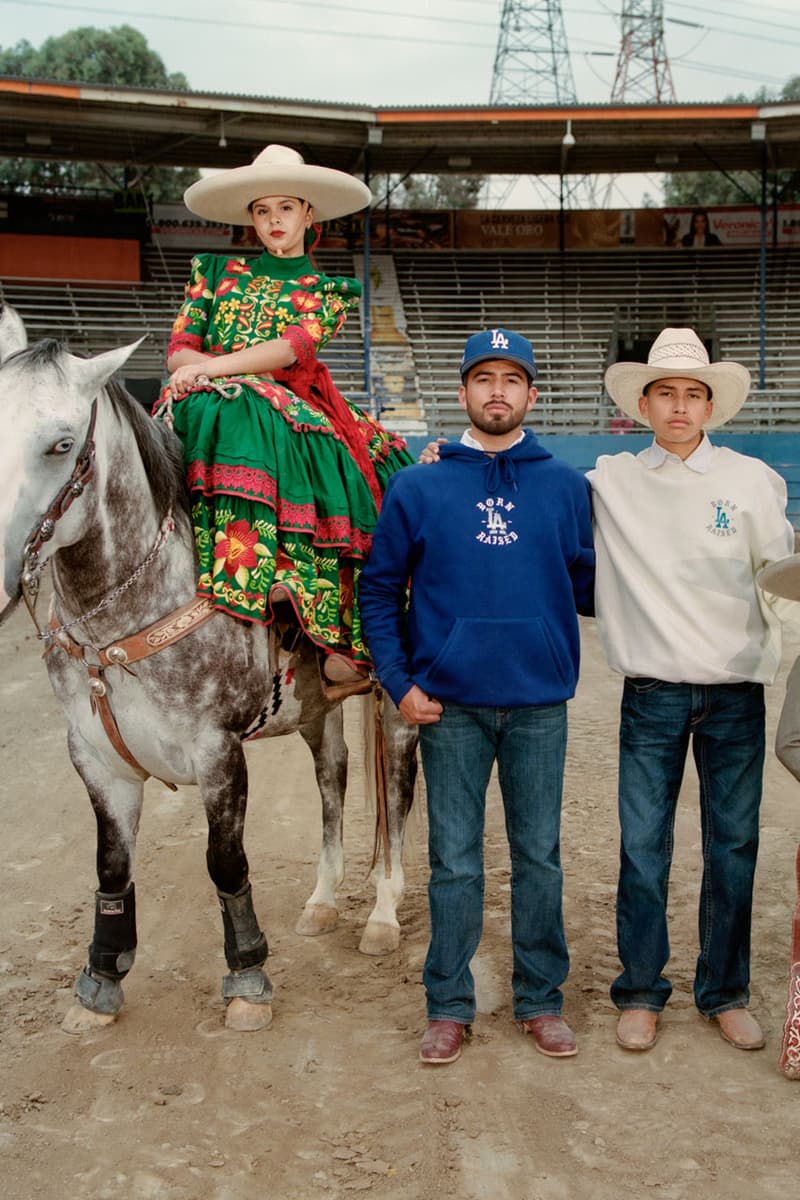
(331, 1100)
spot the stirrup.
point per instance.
(358, 684)
(338, 669)
(340, 691)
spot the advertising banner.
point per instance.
(174, 225)
(700, 228)
(403, 229)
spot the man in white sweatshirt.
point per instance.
(681, 530)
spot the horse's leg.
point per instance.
(325, 739)
(246, 988)
(117, 805)
(382, 931)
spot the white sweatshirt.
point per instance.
(678, 547)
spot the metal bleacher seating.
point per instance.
(579, 309)
(91, 317)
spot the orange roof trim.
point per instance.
(27, 88)
(628, 112)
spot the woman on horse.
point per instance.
(285, 474)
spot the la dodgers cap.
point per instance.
(498, 343)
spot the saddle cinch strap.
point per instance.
(122, 653)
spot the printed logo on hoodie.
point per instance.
(496, 522)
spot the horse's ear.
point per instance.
(12, 332)
(94, 373)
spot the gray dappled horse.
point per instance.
(152, 680)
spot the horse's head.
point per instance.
(46, 398)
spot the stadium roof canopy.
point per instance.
(119, 125)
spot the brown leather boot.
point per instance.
(636, 1029)
(740, 1028)
(442, 1042)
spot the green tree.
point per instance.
(429, 191)
(705, 189)
(117, 56)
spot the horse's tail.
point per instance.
(789, 1062)
(376, 786)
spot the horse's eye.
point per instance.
(64, 446)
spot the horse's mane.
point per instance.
(159, 448)
(160, 451)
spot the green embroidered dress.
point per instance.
(278, 495)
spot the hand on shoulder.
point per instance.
(430, 453)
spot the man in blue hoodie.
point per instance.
(497, 545)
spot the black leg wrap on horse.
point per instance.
(98, 993)
(245, 944)
(113, 947)
(252, 985)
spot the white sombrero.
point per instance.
(679, 354)
(276, 171)
(781, 578)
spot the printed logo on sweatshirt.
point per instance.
(723, 520)
(496, 522)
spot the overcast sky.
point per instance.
(365, 51)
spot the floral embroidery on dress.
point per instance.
(235, 548)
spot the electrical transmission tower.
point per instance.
(643, 67)
(532, 63)
(532, 66)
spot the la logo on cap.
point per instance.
(499, 340)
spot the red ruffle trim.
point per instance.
(185, 341)
(220, 479)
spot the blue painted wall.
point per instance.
(780, 450)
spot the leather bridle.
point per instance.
(124, 651)
(82, 473)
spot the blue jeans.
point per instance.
(725, 723)
(457, 757)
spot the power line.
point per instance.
(386, 12)
(741, 33)
(684, 64)
(257, 25)
(712, 12)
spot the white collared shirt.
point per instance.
(467, 439)
(678, 544)
(699, 460)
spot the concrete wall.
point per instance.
(780, 450)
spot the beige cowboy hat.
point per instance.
(781, 578)
(276, 171)
(679, 354)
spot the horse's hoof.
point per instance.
(316, 919)
(82, 1020)
(245, 1017)
(379, 938)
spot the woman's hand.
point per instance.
(430, 454)
(183, 379)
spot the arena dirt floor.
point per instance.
(331, 1100)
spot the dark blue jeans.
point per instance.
(725, 723)
(457, 757)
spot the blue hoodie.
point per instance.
(498, 550)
